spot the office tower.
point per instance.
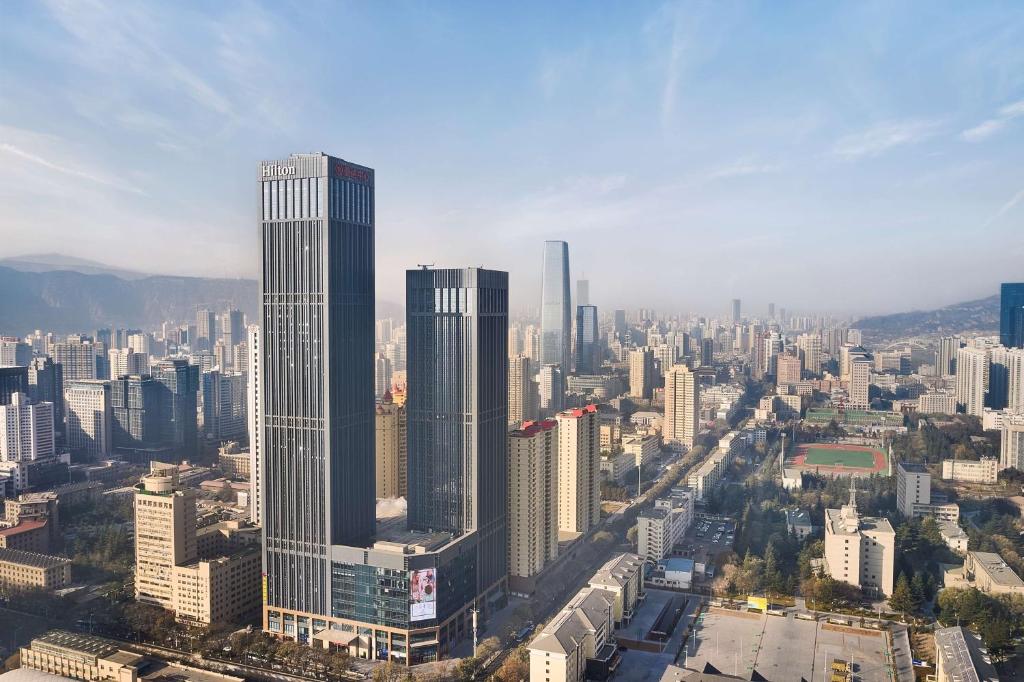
(165, 534)
(1011, 443)
(531, 344)
(180, 381)
(224, 405)
(772, 347)
(532, 499)
(383, 329)
(77, 357)
(860, 382)
(139, 421)
(787, 370)
(664, 357)
(641, 373)
(1011, 314)
(46, 384)
(1015, 380)
(582, 292)
(26, 430)
(588, 339)
(126, 361)
(971, 379)
(736, 311)
(14, 351)
(579, 470)
(240, 355)
(253, 395)
(12, 380)
(771, 311)
(809, 348)
(381, 375)
(555, 314)
(551, 385)
(619, 322)
(392, 449)
(707, 352)
(523, 398)
(457, 404)
(847, 354)
(206, 329)
(515, 340)
(140, 343)
(316, 349)
(682, 408)
(232, 328)
(859, 550)
(945, 364)
(998, 378)
(89, 417)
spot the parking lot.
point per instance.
(707, 539)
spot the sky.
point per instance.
(852, 157)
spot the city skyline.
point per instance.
(742, 143)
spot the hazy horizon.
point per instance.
(860, 158)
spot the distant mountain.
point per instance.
(978, 316)
(48, 262)
(69, 301)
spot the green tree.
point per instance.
(902, 599)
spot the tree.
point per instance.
(391, 672)
(516, 667)
(902, 599)
(917, 590)
(631, 535)
(998, 637)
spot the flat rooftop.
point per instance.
(961, 655)
(71, 641)
(997, 569)
(393, 529)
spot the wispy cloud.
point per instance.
(1005, 208)
(25, 155)
(556, 69)
(743, 167)
(990, 127)
(883, 137)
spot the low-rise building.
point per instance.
(225, 589)
(81, 657)
(643, 448)
(578, 643)
(674, 572)
(710, 473)
(622, 576)
(936, 403)
(986, 572)
(798, 523)
(954, 536)
(985, 470)
(27, 571)
(28, 536)
(960, 656)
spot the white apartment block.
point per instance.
(580, 632)
(860, 382)
(936, 403)
(643, 448)
(660, 528)
(1011, 449)
(682, 408)
(859, 550)
(89, 416)
(579, 471)
(985, 470)
(914, 494)
(972, 365)
(26, 430)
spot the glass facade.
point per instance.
(1011, 315)
(370, 594)
(588, 358)
(555, 315)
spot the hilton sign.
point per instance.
(270, 171)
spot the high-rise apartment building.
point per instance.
(682, 408)
(860, 383)
(641, 373)
(392, 449)
(316, 399)
(531, 344)
(809, 350)
(555, 313)
(551, 386)
(588, 339)
(232, 328)
(1011, 443)
(89, 417)
(26, 430)
(1015, 380)
(859, 550)
(523, 396)
(972, 366)
(206, 329)
(458, 409)
(532, 500)
(14, 351)
(224, 405)
(787, 370)
(1011, 314)
(77, 357)
(579, 470)
(382, 373)
(945, 362)
(126, 361)
(165, 534)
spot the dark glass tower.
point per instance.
(12, 380)
(555, 311)
(1011, 314)
(457, 402)
(179, 382)
(316, 339)
(588, 358)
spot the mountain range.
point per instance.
(979, 316)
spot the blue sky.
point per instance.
(856, 157)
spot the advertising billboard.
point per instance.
(423, 594)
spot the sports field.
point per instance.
(838, 458)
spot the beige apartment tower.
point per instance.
(392, 449)
(165, 533)
(523, 397)
(682, 408)
(532, 497)
(859, 550)
(579, 470)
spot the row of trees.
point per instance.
(998, 619)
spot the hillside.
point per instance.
(978, 316)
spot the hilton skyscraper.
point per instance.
(555, 311)
(316, 346)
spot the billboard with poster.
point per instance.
(423, 594)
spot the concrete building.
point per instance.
(936, 403)
(787, 368)
(914, 494)
(577, 641)
(986, 572)
(125, 361)
(89, 417)
(224, 405)
(253, 396)
(1011, 447)
(809, 351)
(223, 589)
(643, 448)
(235, 462)
(579, 477)
(532, 501)
(523, 391)
(641, 373)
(985, 470)
(972, 366)
(551, 388)
(80, 657)
(798, 523)
(859, 550)
(165, 534)
(622, 576)
(30, 571)
(860, 381)
(710, 473)
(662, 526)
(392, 449)
(954, 536)
(26, 430)
(960, 656)
(77, 357)
(682, 408)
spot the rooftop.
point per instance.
(392, 529)
(961, 655)
(16, 556)
(914, 467)
(997, 569)
(584, 613)
(531, 428)
(23, 527)
(798, 517)
(618, 570)
(78, 643)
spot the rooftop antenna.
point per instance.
(424, 266)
